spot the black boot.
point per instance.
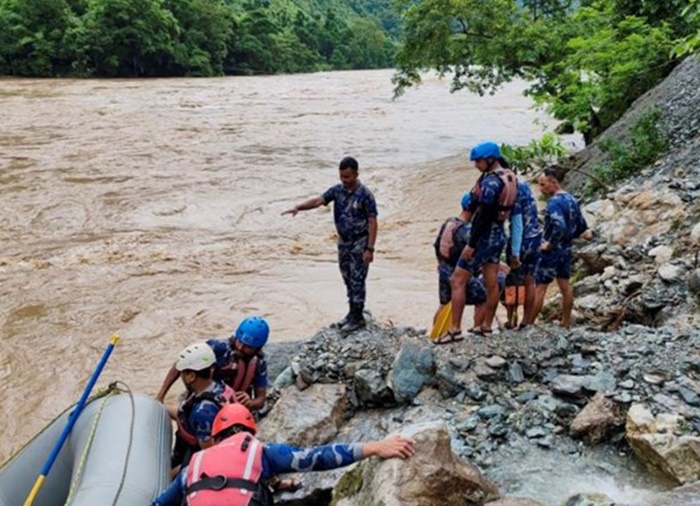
(345, 318)
(356, 320)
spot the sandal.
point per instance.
(478, 331)
(450, 337)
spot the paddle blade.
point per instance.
(442, 322)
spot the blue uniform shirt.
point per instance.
(278, 458)
(485, 225)
(527, 206)
(563, 221)
(352, 210)
(201, 417)
(226, 354)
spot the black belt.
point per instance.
(219, 483)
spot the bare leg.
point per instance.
(459, 281)
(567, 301)
(540, 292)
(479, 311)
(492, 294)
(530, 300)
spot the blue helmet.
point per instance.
(253, 331)
(485, 150)
(466, 200)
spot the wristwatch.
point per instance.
(371, 250)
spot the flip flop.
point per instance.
(478, 331)
(450, 337)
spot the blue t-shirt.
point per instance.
(278, 458)
(527, 206)
(226, 354)
(201, 417)
(563, 220)
(352, 210)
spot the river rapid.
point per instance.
(151, 209)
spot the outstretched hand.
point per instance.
(394, 446)
(293, 211)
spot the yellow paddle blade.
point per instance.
(442, 322)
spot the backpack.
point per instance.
(508, 195)
(448, 245)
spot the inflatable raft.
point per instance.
(118, 454)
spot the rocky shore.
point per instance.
(633, 393)
(604, 414)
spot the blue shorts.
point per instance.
(555, 264)
(530, 254)
(476, 293)
(488, 251)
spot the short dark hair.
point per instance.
(554, 171)
(349, 163)
(205, 373)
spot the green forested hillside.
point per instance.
(122, 38)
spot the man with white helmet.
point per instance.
(240, 363)
(200, 404)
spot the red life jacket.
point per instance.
(185, 408)
(240, 377)
(228, 474)
(508, 195)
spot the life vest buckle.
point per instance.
(218, 482)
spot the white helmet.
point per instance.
(196, 357)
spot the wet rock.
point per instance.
(589, 500)
(307, 418)
(526, 397)
(688, 396)
(670, 272)
(655, 442)
(694, 281)
(371, 387)
(661, 254)
(567, 384)
(496, 362)
(515, 373)
(687, 495)
(596, 419)
(448, 382)
(474, 392)
(491, 411)
(434, 475)
(695, 234)
(515, 501)
(601, 382)
(485, 372)
(411, 371)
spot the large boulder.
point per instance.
(305, 418)
(433, 476)
(596, 419)
(413, 368)
(657, 443)
(589, 500)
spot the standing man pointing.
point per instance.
(355, 215)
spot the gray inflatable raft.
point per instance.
(118, 454)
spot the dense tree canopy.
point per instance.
(123, 38)
(586, 61)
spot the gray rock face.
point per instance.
(434, 475)
(305, 418)
(371, 387)
(412, 369)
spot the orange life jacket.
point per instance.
(228, 474)
(508, 195)
(185, 408)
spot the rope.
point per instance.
(86, 450)
(113, 389)
(131, 439)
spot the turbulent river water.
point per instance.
(151, 208)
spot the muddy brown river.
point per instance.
(151, 209)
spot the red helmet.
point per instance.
(233, 414)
